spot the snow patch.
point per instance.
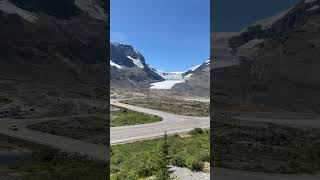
(309, 1)
(115, 65)
(313, 8)
(137, 62)
(92, 8)
(187, 77)
(9, 8)
(195, 67)
(251, 44)
(167, 84)
(268, 22)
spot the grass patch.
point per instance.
(141, 159)
(264, 147)
(187, 108)
(90, 129)
(49, 163)
(125, 117)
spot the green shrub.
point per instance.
(196, 166)
(179, 161)
(126, 175)
(196, 131)
(205, 157)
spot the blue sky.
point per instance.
(234, 15)
(173, 35)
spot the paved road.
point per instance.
(228, 174)
(94, 151)
(171, 123)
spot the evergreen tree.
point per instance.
(164, 173)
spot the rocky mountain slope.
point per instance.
(51, 49)
(197, 80)
(129, 69)
(279, 65)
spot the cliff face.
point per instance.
(58, 43)
(278, 62)
(129, 69)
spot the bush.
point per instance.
(196, 166)
(127, 175)
(45, 155)
(196, 131)
(179, 161)
(205, 157)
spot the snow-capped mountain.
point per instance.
(278, 60)
(129, 68)
(196, 80)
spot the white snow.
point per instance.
(268, 22)
(115, 65)
(172, 75)
(137, 62)
(310, 1)
(10, 8)
(167, 84)
(251, 44)
(187, 77)
(195, 67)
(315, 7)
(92, 8)
(172, 78)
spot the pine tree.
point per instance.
(164, 173)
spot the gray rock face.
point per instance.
(282, 70)
(52, 48)
(197, 81)
(57, 8)
(134, 71)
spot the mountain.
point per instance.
(197, 80)
(129, 69)
(53, 48)
(222, 52)
(278, 60)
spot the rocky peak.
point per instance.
(279, 24)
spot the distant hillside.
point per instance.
(278, 60)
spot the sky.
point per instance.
(172, 35)
(234, 15)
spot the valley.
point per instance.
(180, 99)
(52, 70)
(264, 98)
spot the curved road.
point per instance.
(94, 151)
(171, 123)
